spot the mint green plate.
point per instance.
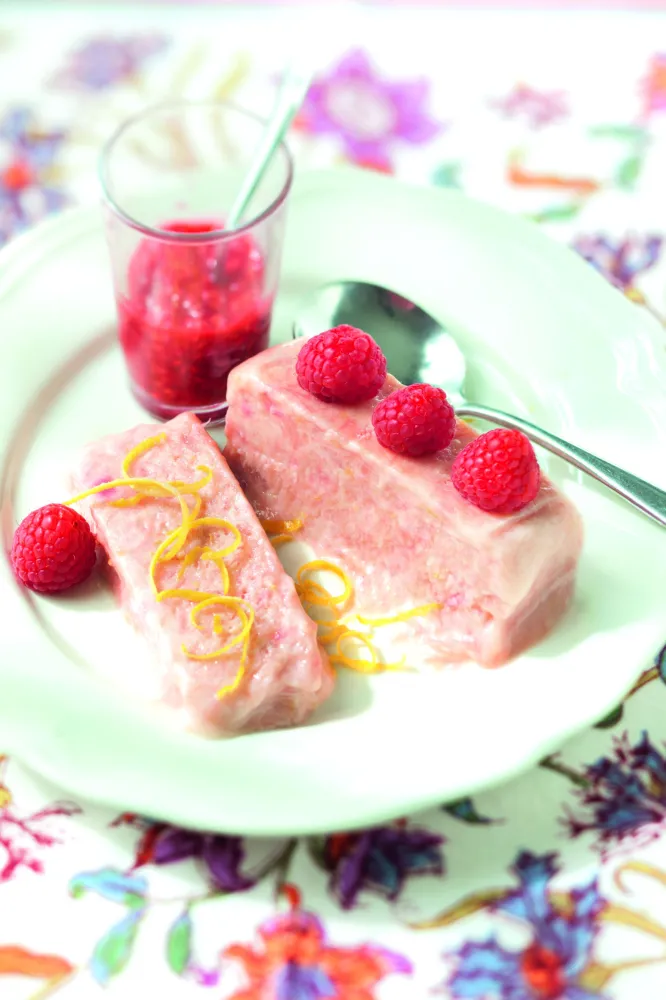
(544, 335)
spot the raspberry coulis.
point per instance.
(191, 313)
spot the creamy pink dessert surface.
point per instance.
(287, 675)
(396, 524)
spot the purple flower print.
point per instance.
(161, 844)
(380, 860)
(28, 156)
(220, 856)
(623, 795)
(106, 61)
(552, 965)
(368, 113)
(620, 261)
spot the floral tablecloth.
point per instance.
(553, 886)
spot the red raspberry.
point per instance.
(416, 420)
(342, 365)
(53, 549)
(498, 471)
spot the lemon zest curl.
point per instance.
(171, 547)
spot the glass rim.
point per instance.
(170, 236)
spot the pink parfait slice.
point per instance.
(396, 524)
(285, 675)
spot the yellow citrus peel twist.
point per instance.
(335, 631)
(171, 548)
(280, 532)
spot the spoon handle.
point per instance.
(639, 493)
(290, 98)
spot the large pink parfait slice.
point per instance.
(396, 525)
(286, 675)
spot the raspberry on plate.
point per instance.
(416, 420)
(342, 365)
(53, 549)
(497, 472)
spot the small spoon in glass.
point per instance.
(289, 100)
(419, 349)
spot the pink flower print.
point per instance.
(654, 86)
(537, 107)
(25, 838)
(368, 114)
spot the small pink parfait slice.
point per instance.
(279, 676)
(396, 524)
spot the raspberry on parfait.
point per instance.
(342, 365)
(416, 420)
(497, 472)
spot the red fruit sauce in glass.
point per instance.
(192, 313)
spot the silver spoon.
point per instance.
(418, 349)
(289, 100)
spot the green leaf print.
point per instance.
(114, 951)
(179, 944)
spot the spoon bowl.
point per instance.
(416, 346)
